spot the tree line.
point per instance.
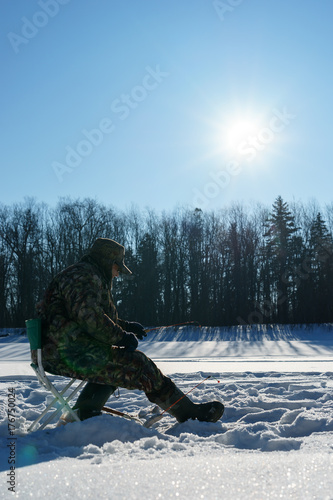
(237, 265)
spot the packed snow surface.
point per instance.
(275, 439)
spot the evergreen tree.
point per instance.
(280, 229)
(320, 264)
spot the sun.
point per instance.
(238, 131)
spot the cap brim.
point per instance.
(123, 269)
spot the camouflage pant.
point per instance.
(131, 370)
(119, 368)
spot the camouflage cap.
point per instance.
(107, 252)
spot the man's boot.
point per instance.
(90, 402)
(92, 399)
(173, 400)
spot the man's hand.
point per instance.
(129, 341)
(137, 329)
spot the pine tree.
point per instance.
(320, 262)
(280, 229)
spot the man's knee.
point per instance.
(134, 358)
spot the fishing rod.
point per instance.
(158, 417)
(187, 323)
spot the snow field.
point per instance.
(264, 413)
(275, 439)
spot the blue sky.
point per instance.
(160, 104)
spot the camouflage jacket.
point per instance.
(80, 321)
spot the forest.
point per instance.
(243, 264)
